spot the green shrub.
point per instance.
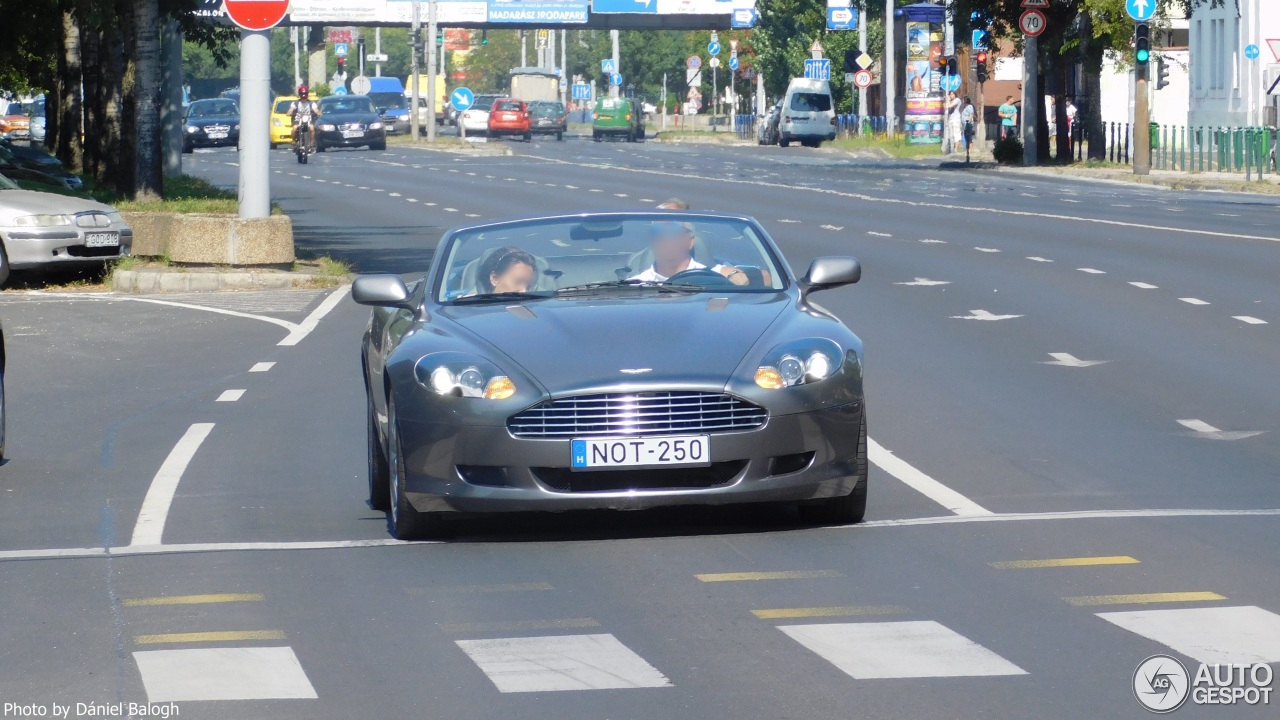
(1009, 151)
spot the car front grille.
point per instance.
(217, 128)
(571, 481)
(632, 414)
(351, 126)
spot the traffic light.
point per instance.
(342, 66)
(980, 61)
(440, 37)
(1142, 44)
(851, 61)
(484, 37)
(953, 66)
(1162, 73)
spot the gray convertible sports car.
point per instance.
(611, 360)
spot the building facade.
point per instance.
(1227, 87)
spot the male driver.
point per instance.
(303, 112)
(672, 245)
(1008, 117)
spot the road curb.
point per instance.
(162, 281)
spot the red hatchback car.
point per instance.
(509, 117)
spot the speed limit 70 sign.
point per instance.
(1032, 23)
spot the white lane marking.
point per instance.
(1121, 205)
(1071, 201)
(221, 311)
(471, 174)
(429, 204)
(473, 214)
(987, 249)
(924, 282)
(262, 367)
(918, 481)
(834, 228)
(379, 190)
(595, 190)
(1092, 271)
(879, 234)
(230, 395)
(1193, 301)
(983, 315)
(413, 200)
(910, 203)
(347, 185)
(1069, 360)
(1249, 319)
(647, 200)
(230, 673)
(934, 242)
(451, 209)
(570, 187)
(149, 529)
(305, 327)
(1038, 259)
(1203, 429)
(619, 194)
(913, 649)
(561, 662)
(387, 162)
(550, 185)
(1244, 634)
(789, 221)
(363, 187)
(1144, 286)
(394, 194)
(1226, 215)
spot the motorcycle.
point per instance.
(302, 145)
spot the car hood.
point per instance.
(213, 120)
(339, 118)
(32, 202)
(580, 345)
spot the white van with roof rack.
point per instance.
(808, 113)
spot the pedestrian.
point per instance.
(1008, 118)
(1071, 116)
(967, 116)
(955, 126)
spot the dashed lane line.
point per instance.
(1249, 319)
(1193, 301)
(149, 529)
(231, 395)
(1092, 271)
(1144, 286)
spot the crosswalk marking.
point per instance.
(914, 649)
(1245, 634)
(561, 662)
(1144, 598)
(254, 673)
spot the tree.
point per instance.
(147, 98)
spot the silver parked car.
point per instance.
(611, 360)
(44, 230)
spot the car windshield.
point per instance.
(509, 105)
(282, 106)
(213, 108)
(618, 104)
(546, 108)
(623, 254)
(385, 100)
(345, 105)
(7, 184)
(811, 102)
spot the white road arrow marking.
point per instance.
(925, 282)
(983, 315)
(836, 228)
(1205, 430)
(1069, 360)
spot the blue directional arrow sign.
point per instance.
(950, 83)
(817, 69)
(340, 49)
(1140, 10)
(713, 48)
(581, 91)
(841, 18)
(606, 66)
(733, 63)
(1252, 52)
(744, 17)
(615, 79)
(462, 98)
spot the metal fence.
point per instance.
(1182, 148)
(847, 125)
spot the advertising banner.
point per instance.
(344, 12)
(538, 12)
(698, 7)
(924, 95)
(605, 7)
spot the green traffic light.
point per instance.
(1144, 55)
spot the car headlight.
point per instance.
(237, 127)
(461, 375)
(193, 129)
(41, 220)
(798, 363)
(114, 216)
(375, 126)
(276, 122)
(327, 127)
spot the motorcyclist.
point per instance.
(303, 113)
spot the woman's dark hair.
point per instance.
(498, 262)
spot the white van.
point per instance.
(808, 115)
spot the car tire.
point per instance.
(378, 146)
(559, 136)
(379, 471)
(405, 521)
(4, 270)
(848, 509)
(528, 137)
(595, 136)
(319, 148)
(783, 142)
(187, 149)
(274, 146)
(2, 414)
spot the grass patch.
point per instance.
(895, 145)
(325, 271)
(182, 194)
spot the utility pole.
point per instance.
(524, 48)
(1031, 100)
(887, 79)
(431, 71)
(297, 56)
(862, 50)
(255, 136)
(613, 89)
(377, 50)
(564, 68)
(415, 35)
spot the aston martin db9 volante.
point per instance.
(611, 360)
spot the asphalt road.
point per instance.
(1038, 525)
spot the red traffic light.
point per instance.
(982, 57)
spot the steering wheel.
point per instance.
(700, 276)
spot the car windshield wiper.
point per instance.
(499, 297)
(660, 286)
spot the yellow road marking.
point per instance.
(220, 636)
(518, 625)
(192, 599)
(783, 575)
(847, 611)
(505, 587)
(1169, 597)
(1065, 562)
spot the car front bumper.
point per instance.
(32, 248)
(791, 458)
(334, 138)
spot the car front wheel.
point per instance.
(405, 520)
(379, 474)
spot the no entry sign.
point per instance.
(256, 14)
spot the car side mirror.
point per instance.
(830, 272)
(384, 290)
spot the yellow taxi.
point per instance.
(281, 123)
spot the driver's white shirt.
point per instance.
(651, 275)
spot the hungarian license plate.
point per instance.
(689, 450)
(508, 116)
(213, 135)
(101, 239)
(348, 134)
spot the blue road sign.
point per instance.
(713, 48)
(615, 79)
(340, 49)
(695, 62)
(1140, 10)
(979, 39)
(841, 18)
(462, 98)
(340, 90)
(733, 63)
(606, 66)
(950, 83)
(745, 17)
(817, 69)
(1252, 52)
(581, 91)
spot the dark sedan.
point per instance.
(211, 123)
(349, 121)
(548, 118)
(34, 158)
(611, 360)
